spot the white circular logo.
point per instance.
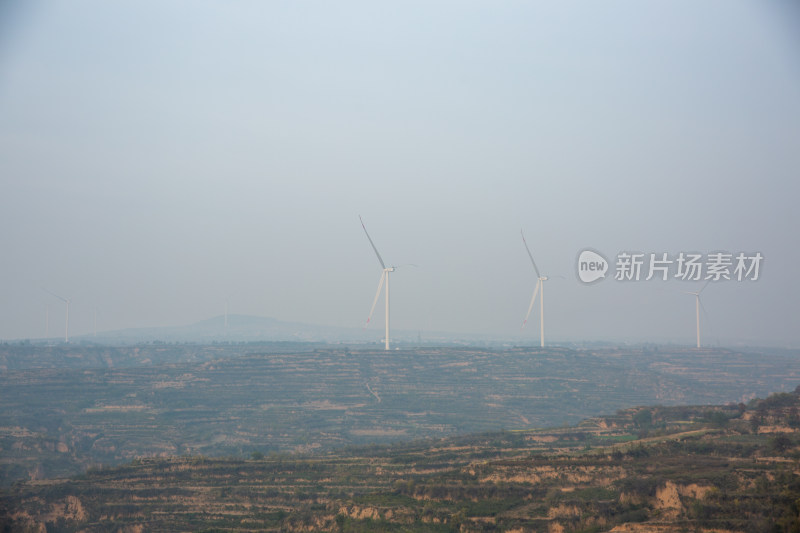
(592, 266)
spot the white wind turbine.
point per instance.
(538, 290)
(226, 321)
(697, 305)
(66, 301)
(384, 278)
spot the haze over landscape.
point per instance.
(202, 196)
(158, 160)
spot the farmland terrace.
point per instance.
(658, 469)
(59, 421)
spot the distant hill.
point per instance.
(248, 328)
(240, 328)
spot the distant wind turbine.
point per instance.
(538, 290)
(226, 321)
(66, 301)
(384, 278)
(697, 305)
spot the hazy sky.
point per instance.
(158, 158)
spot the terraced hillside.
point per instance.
(57, 422)
(660, 469)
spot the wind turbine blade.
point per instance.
(530, 307)
(530, 255)
(377, 295)
(704, 287)
(56, 295)
(372, 243)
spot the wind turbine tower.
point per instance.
(384, 279)
(539, 289)
(697, 305)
